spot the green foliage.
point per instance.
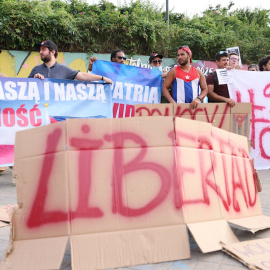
(137, 28)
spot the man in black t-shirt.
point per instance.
(216, 92)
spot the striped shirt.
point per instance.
(186, 86)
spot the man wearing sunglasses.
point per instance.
(216, 92)
(117, 56)
(187, 81)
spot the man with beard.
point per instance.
(187, 81)
(117, 56)
(52, 69)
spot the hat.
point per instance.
(152, 56)
(186, 49)
(49, 44)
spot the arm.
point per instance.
(168, 81)
(91, 61)
(83, 76)
(204, 91)
(216, 97)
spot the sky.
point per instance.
(192, 7)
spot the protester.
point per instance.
(186, 80)
(234, 61)
(117, 56)
(216, 92)
(52, 69)
(253, 67)
(264, 64)
(155, 61)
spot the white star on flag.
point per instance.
(187, 77)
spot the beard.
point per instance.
(46, 58)
(183, 63)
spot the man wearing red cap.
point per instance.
(189, 85)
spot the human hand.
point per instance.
(193, 105)
(107, 80)
(91, 61)
(39, 76)
(230, 101)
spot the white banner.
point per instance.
(254, 87)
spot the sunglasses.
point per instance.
(157, 61)
(121, 57)
(234, 58)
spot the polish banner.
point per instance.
(132, 85)
(28, 103)
(254, 87)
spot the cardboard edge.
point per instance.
(248, 223)
(46, 253)
(209, 234)
(130, 247)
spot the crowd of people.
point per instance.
(182, 84)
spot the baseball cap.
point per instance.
(186, 49)
(49, 44)
(152, 56)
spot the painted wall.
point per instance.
(20, 63)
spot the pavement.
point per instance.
(211, 261)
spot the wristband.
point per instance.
(102, 78)
(199, 98)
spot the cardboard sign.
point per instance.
(235, 119)
(124, 190)
(254, 254)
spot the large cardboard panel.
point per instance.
(197, 185)
(192, 134)
(235, 181)
(37, 141)
(36, 254)
(119, 133)
(114, 249)
(154, 109)
(254, 254)
(234, 119)
(43, 197)
(210, 234)
(116, 177)
(132, 193)
(229, 143)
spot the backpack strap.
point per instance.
(214, 78)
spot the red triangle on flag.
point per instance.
(240, 117)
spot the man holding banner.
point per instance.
(51, 69)
(187, 81)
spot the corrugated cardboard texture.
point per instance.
(46, 253)
(254, 254)
(142, 246)
(154, 110)
(209, 234)
(220, 115)
(116, 178)
(130, 185)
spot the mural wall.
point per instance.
(20, 63)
